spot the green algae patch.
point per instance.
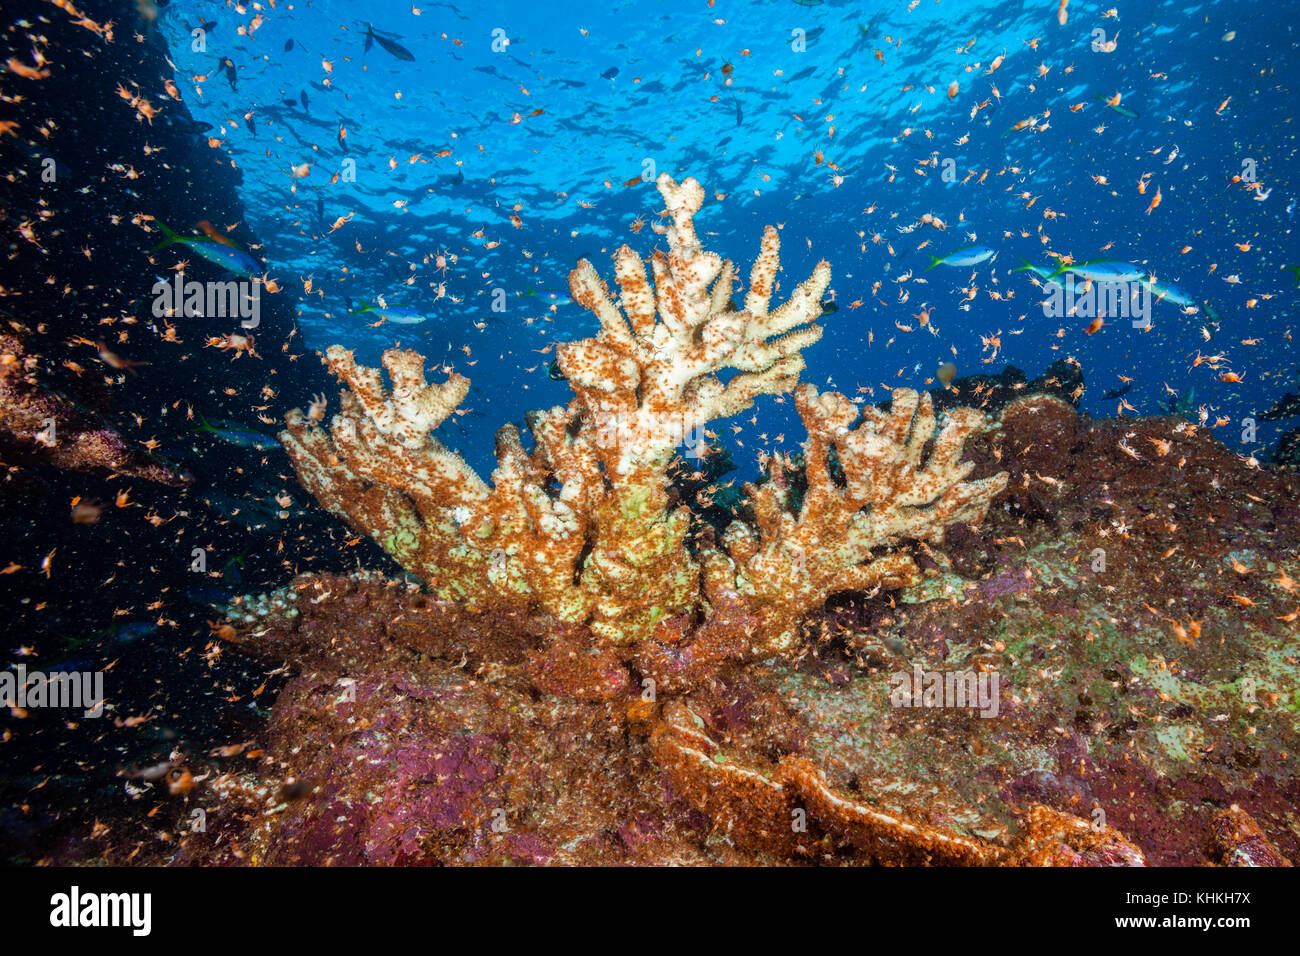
(1177, 741)
(940, 587)
(402, 542)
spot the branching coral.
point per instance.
(582, 526)
(791, 561)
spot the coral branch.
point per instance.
(792, 561)
(654, 381)
(758, 805)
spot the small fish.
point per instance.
(239, 437)
(215, 234)
(133, 631)
(1171, 292)
(1295, 271)
(1102, 270)
(1184, 405)
(829, 308)
(302, 98)
(187, 126)
(228, 65)
(220, 252)
(152, 774)
(125, 633)
(33, 151)
(396, 49)
(610, 73)
(288, 44)
(530, 291)
(1040, 271)
(553, 370)
(396, 314)
(967, 256)
(210, 597)
(1119, 108)
(1118, 392)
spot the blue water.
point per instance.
(515, 161)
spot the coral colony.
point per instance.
(582, 526)
(607, 616)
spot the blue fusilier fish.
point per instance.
(239, 437)
(1170, 292)
(967, 256)
(1103, 270)
(1184, 405)
(133, 631)
(224, 254)
(1040, 271)
(1122, 110)
(396, 314)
